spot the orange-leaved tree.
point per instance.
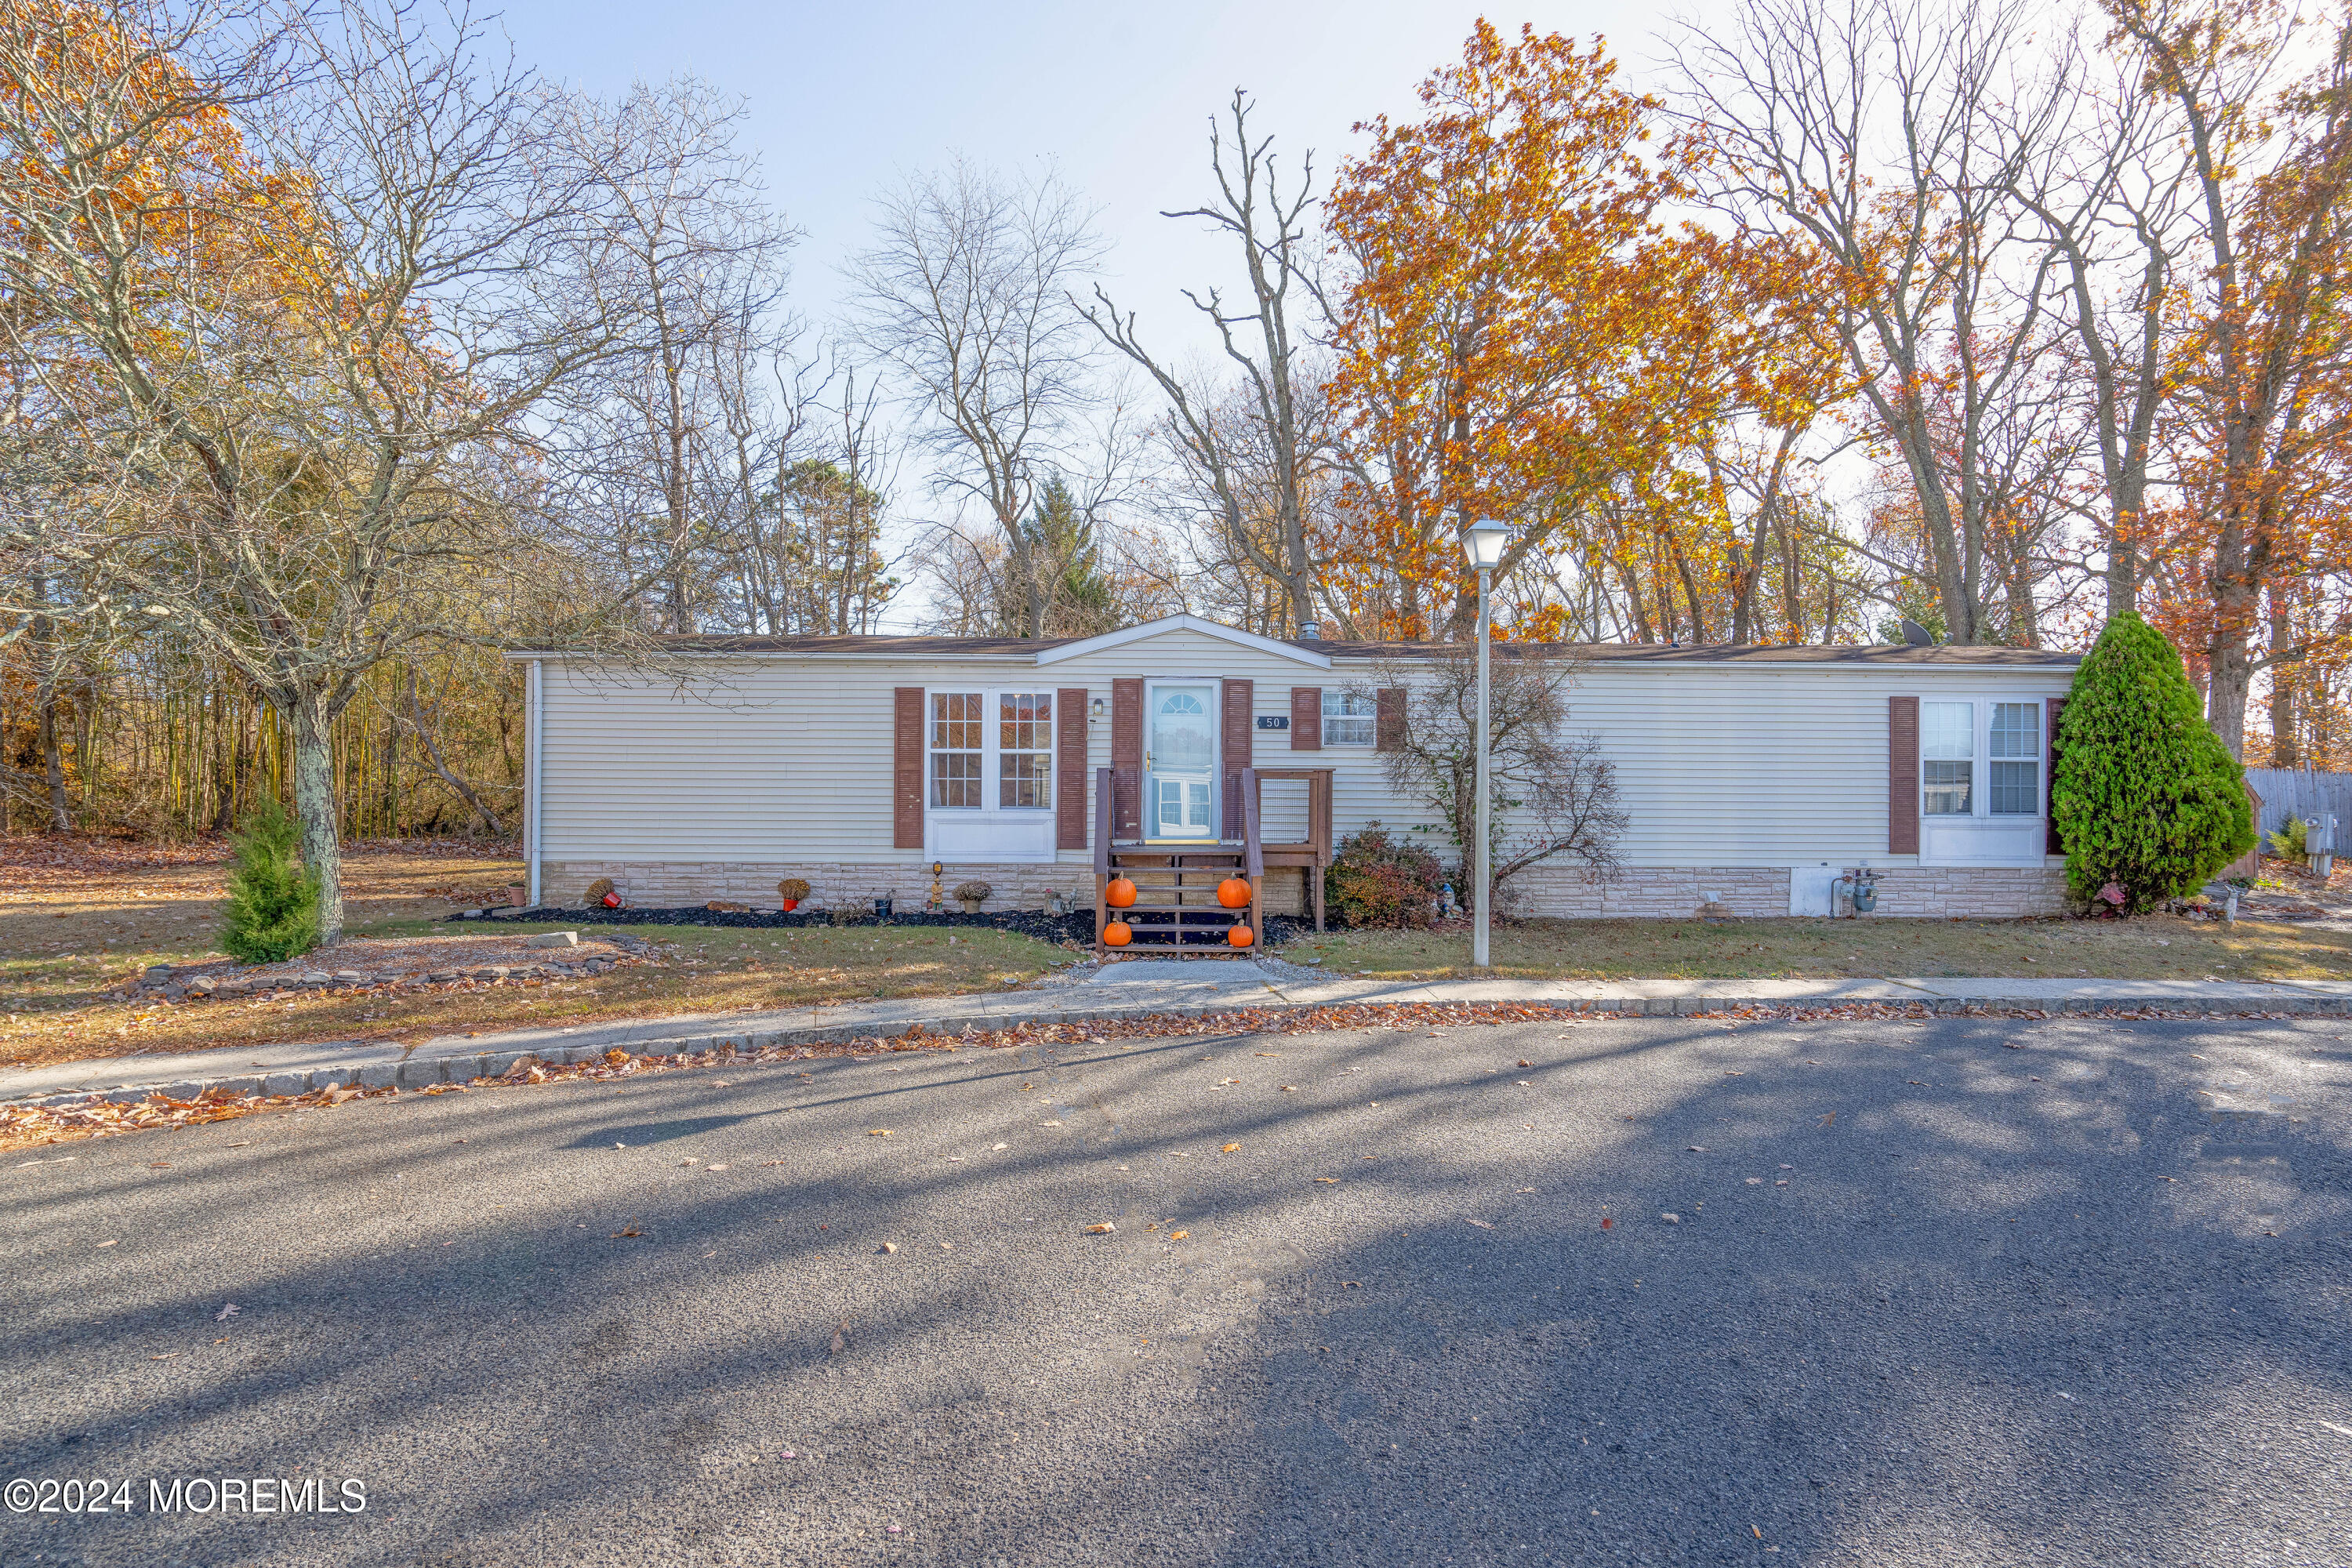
(1510, 283)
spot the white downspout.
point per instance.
(535, 751)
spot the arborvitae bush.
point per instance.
(273, 905)
(2146, 795)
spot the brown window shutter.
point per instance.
(906, 769)
(1305, 717)
(2050, 845)
(1388, 722)
(1903, 775)
(1070, 768)
(1240, 731)
(1127, 758)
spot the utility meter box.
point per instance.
(1811, 889)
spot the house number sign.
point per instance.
(1274, 721)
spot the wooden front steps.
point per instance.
(1176, 907)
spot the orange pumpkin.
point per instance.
(1241, 936)
(1120, 894)
(1234, 893)
(1118, 933)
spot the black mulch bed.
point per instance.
(1078, 928)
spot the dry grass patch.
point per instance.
(80, 919)
(2157, 947)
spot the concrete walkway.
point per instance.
(1129, 989)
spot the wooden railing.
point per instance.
(1252, 850)
(1102, 822)
(1319, 813)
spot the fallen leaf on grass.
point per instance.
(118, 1239)
(225, 1313)
(1230, 1148)
(1607, 1224)
(877, 1132)
(1103, 1229)
(1828, 1119)
(1480, 1224)
(159, 1164)
(1178, 1235)
(620, 1234)
(1351, 1284)
(1524, 1063)
(166, 1356)
(1327, 1179)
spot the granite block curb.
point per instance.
(422, 1071)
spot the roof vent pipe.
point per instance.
(1308, 632)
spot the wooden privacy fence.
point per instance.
(2299, 793)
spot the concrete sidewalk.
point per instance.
(1130, 989)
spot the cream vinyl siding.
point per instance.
(785, 757)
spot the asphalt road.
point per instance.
(2011, 1305)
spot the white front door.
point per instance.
(1179, 760)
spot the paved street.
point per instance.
(2043, 1304)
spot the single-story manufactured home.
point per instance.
(1751, 776)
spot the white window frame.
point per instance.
(1981, 836)
(1370, 720)
(990, 831)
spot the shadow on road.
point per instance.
(2009, 1304)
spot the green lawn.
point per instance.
(2155, 947)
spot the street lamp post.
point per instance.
(1486, 541)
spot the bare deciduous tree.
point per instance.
(1553, 795)
(1264, 460)
(966, 292)
(662, 452)
(1891, 136)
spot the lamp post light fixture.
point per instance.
(1484, 541)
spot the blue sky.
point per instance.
(846, 97)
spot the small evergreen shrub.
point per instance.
(2288, 843)
(1377, 880)
(273, 906)
(2146, 795)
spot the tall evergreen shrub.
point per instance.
(2146, 795)
(273, 906)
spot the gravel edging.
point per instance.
(419, 1071)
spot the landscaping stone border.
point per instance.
(198, 982)
(421, 1071)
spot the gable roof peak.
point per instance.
(1312, 658)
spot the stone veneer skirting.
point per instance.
(1644, 892)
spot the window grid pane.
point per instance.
(1946, 791)
(2016, 730)
(1947, 731)
(2016, 789)
(1024, 741)
(957, 719)
(1347, 719)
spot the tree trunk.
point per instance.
(2287, 750)
(53, 759)
(314, 805)
(45, 697)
